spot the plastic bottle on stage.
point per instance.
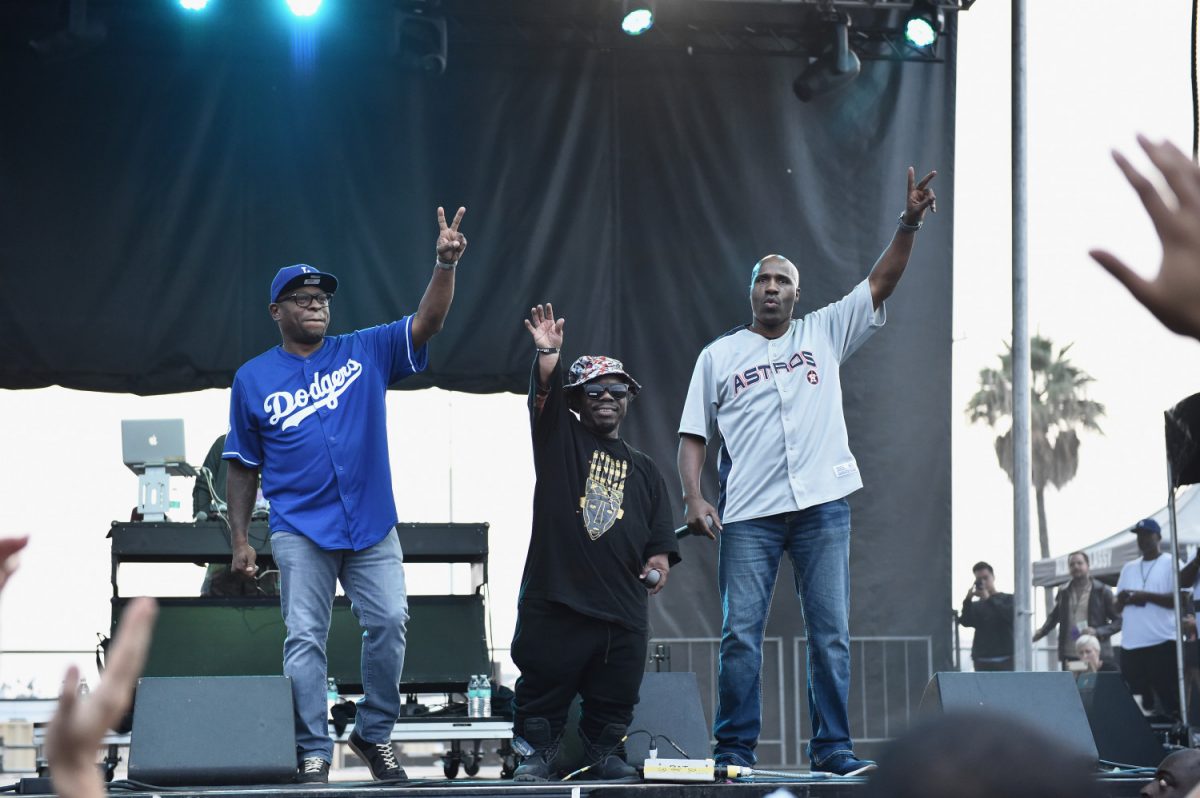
(473, 698)
(485, 697)
(331, 693)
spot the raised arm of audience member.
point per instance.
(9, 549)
(78, 725)
(1174, 293)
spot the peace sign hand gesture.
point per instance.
(919, 197)
(450, 243)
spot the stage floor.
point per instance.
(427, 784)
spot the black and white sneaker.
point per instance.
(313, 770)
(379, 757)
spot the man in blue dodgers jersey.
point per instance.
(310, 415)
(771, 391)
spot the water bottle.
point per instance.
(473, 698)
(331, 694)
(485, 697)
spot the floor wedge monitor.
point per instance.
(213, 730)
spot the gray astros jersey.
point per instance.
(776, 406)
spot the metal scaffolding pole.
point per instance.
(1022, 457)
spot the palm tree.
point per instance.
(1060, 410)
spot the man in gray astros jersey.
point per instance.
(771, 393)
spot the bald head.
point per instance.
(776, 260)
(1176, 775)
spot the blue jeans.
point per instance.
(374, 581)
(818, 541)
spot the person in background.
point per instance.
(990, 613)
(1144, 597)
(1087, 653)
(208, 504)
(1084, 606)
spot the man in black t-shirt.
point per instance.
(991, 613)
(602, 541)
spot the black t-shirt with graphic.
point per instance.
(600, 510)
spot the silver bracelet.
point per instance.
(547, 350)
(446, 266)
(911, 228)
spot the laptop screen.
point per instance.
(155, 441)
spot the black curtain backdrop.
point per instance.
(150, 189)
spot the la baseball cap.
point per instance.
(1147, 525)
(589, 367)
(290, 277)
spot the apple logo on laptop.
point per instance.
(154, 440)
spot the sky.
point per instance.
(1095, 80)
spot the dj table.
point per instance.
(447, 640)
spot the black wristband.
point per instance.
(548, 350)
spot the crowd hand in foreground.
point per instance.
(1174, 294)
(80, 722)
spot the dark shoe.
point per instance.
(313, 770)
(844, 765)
(538, 766)
(606, 756)
(379, 757)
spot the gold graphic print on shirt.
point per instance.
(605, 492)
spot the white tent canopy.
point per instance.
(1108, 555)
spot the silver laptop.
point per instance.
(152, 442)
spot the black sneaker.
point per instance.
(379, 757)
(313, 770)
(845, 764)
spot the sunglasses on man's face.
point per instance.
(617, 390)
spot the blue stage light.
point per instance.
(638, 21)
(304, 8)
(193, 5)
(920, 32)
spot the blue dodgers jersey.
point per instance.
(317, 429)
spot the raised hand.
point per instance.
(546, 332)
(79, 724)
(1174, 293)
(9, 548)
(451, 244)
(919, 197)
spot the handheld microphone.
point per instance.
(683, 531)
(652, 577)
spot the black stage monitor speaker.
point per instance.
(668, 704)
(1121, 731)
(213, 730)
(1048, 701)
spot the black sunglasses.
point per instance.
(617, 390)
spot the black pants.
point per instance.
(1151, 673)
(562, 653)
(1005, 664)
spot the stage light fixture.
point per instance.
(639, 18)
(834, 68)
(304, 8)
(923, 25)
(193, 5)
(419, 40)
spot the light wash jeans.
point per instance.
(374, 581)
(818, 541)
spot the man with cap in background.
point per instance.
(1145, 600)
(310, 415)
(601, 541)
